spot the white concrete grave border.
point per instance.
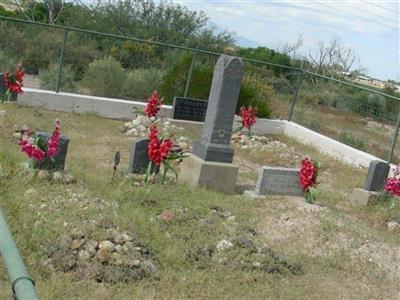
(125, 110)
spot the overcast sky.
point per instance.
(369, 27)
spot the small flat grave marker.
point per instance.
(378, 172)
(189, 109)
(138, 159)
(277, 181)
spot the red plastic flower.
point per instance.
(392, 185)
(52, 144)
(157, 150)
(308, 174)
(14, 83)
(153, 106)
(34, 151)
(248, 115)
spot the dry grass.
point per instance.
(344, 250)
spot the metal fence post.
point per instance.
(296, 94)
(60, 63)
(394, 140)
(190, 73)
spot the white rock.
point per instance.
(43, 175)
(107, 246)
(224, 245)
(126, 237)
(393, 226)
(57, 176)
(128, 125)
(83, 255)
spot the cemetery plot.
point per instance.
(184, 238)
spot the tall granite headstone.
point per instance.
(214, 142)
(378, 172)
(210, 164)
(63, 147)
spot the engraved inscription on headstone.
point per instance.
(62, 146)
(214, 142)
(189, 109)
(378, 172)
(278, 181)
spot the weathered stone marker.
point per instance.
(189, 109)
(63, 147)
(277, 181)
(378, 172)
(210, 164)
(138, 159)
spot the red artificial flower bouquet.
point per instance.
(13, 83)
(160, 144)
(153, 106)
(392, 185)
(248, 115)
(308, 178)
(41, 153)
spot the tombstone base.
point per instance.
(253, 195)
(213, 152)
(362, 197)
(213, 175)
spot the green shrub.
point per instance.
(140, 83)
(104, 77)
(7, 63)
(48, 78)
(355, 142)
(42, 50)
(254, 91)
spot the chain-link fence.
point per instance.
(81, 61)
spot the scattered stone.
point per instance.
(103, 255)
(224, 245)
(149, 266)
(57, 176)
(393, 226)
(64, 241)
(65, 260)
(77, 244)
(119, 240)
(116, 259)
(106, 245)
(87, 271)
(68, 179)
(166, 216)
(77, 234)
(118, 249)
(126, 237)
(84, 255)
(91, 248)
(43, 175)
